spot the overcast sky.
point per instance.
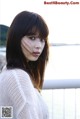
(63, 20)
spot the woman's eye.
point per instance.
(32, 38)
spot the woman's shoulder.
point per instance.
(20, 73)
(15, 74)
(16, 78)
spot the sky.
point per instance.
(63, 20)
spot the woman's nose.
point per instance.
(38, 43)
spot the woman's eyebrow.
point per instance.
(33, 35)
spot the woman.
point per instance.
(27, 54)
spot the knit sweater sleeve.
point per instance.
(21, 93)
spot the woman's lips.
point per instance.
(36, 54)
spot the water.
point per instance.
(2, 51)
(64, 63)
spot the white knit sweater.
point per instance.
(17, 90)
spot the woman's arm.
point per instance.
(21, 93)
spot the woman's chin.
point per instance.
(34, 59)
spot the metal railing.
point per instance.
(61, 83)
(62, 97)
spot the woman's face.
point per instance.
(32, 47)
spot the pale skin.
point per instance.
(32, 47)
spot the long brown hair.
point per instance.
(27, 23)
